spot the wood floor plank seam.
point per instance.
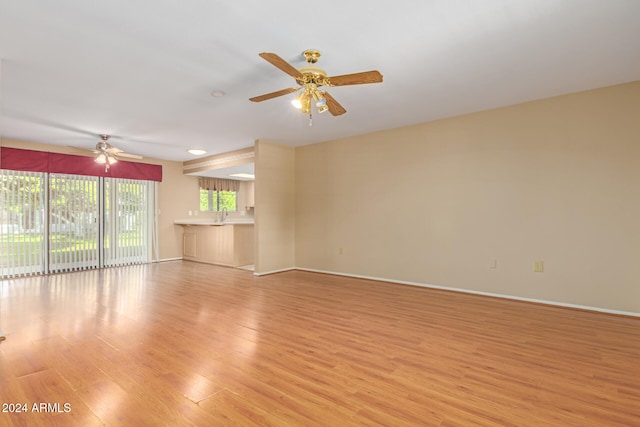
(183, 344)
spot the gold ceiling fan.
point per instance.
(311, 79)
(107, 154)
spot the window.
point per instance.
(217, 200)
(22, 223)
(128, 221)
(217, 194)
(57, 222)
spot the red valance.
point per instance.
(41, 161)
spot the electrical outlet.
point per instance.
(538, 266)
(340, 251)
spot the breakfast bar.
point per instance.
(228, 243)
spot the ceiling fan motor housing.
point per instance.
(313, 75)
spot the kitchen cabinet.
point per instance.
(251, 199)
(222, 244)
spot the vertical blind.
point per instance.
(58, 222)
(22, 225)
(128, 221)
(73, 222)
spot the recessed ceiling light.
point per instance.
(243, 175)
(196, 151)
(217, 93)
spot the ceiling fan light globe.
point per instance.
(296, 103)
(322, 108)
(101, 159)
(112, 160)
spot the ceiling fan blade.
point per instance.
(128, 156)
(83, 150)
(334, 106)
(280, 63)
(273, 94)
(356, 78)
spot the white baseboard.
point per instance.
(275, 271)
(168, 259)
(468, 291)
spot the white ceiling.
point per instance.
(143, 70)
(228, 172)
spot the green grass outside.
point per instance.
(23, 247)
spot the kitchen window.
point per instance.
(218, 200)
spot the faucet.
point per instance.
(223, 214)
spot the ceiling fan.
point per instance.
(108, 155)
(310, 80)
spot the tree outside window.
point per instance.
(216, 201)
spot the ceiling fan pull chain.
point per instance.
(310, 120)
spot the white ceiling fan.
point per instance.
(108, 155)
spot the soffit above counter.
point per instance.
(221, 165)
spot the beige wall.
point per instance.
(553, 180)
(275, 207)
(177, 195)
(173, 201)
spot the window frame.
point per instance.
(210, 200)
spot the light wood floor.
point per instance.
(182, 343)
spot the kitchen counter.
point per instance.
(205, 240)
(210, 221)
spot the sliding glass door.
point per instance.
(74, 234)
(55, 222)
(22, 223)
(128, 221)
